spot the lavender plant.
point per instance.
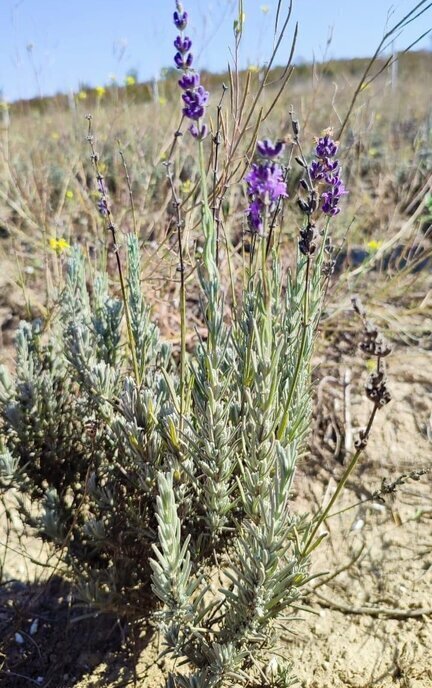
(175, 475)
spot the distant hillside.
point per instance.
(415, 65)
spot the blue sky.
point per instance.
(51, 45)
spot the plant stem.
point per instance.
(216, 202)
(111, 228)
(292, 389)
(349, 469)
(179, 224)
(207, 219)
(129, 185)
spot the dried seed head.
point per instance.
(373, 342)
(377, 390)
(295, 127)
(328, 268)
(362, 440)
(308, 237)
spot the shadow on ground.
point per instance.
(48, 639)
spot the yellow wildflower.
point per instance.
(186, 187)
(82, 95)
(69, 194)
(100, 91)
(162, 100)
(254, 69)
(58, 245)
(374, 245)
(130, 80)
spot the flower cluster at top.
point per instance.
(195, 97)
(325, 170)
(265, 184)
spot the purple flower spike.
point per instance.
(317, 171)
(183, 45)
(266, 148)
(329, 208)
(189, 81)
(194, 111)
(102, 206)
(265, 187)
(182, 61)
(326, 147)
(266, 181)
(101, 185)
(195, 97)
(332, 197)
(195, 102)
(180, 20)
(255, 214)
(198, 133)
(324, 172)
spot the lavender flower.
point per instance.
(265, 184)
(195, 102)
(102, 206)
(325, 170)
(183, 45)
(332, 197)
(198, 133)
(265, 181)
(180, 17)
(266, 149)
(189, 81)
(326, 147)
(183, 61)
(195, 97)
(255, 216)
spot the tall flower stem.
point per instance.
(293, 386)
(310, 544)
(216, 202)
(179, 226)
(110, 226)
(129, 185)
(207, 218)
(377, 391)
(266, 288)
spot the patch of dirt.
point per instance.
(374, 620)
